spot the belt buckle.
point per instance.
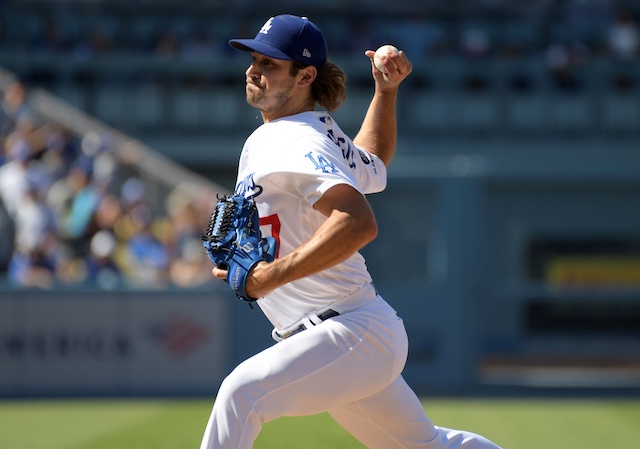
(293, 332)
(322, 317)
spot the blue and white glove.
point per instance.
(233, 241)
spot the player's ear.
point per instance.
(307, 75)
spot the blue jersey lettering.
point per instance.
(345, 147)
(248, 184)
(321, 163)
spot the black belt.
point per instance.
(323, 317)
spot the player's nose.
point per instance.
(252, 72)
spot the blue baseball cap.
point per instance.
(288, 37)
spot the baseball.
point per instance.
(385, 50)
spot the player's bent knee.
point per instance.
(240, 387)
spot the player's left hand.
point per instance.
(397, 66)
(220, 273)
(253, 286)
(234, 243)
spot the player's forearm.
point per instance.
(378, 133)
(334, 242)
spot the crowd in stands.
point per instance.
(562, 37)
(553, 26)
(72, 215)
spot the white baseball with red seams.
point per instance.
(385, 50)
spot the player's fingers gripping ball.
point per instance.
(388, 51)
(233, 241)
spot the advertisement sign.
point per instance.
(105, 343)
(594, 271)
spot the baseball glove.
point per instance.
(233, 241)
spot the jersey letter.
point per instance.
(321, 163)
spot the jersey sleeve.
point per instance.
(312, 165)
(370, 171)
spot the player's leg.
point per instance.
(390, 419)
(395, 419)
(454, 439)
(336, 362)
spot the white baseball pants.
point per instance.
(350, 366)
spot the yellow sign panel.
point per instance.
(594, 271)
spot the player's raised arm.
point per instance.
(379, 130)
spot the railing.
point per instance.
(153, 167)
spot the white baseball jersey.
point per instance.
(286, 165)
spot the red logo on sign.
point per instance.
(179, 335)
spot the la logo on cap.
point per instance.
(266, 27)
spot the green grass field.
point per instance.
(178, 424)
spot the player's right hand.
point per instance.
(398, 67)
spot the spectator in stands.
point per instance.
(108, 214)
(147, 258)
(420, 36)
(189, 269)
(166, 44)
(33, 220)
(623, 38)
(50, 38)
(22, 168)
(33, 267)
(97, 43)
(563, 62)
(83, 203)
(7, 231)
(199, 48)
(59, 198)
(364, 34)
(475, 43)
(60, 150)
(105, 220)
(181, 232)
(102, 270)
(132, 195)
(14, 108)
(14, 174)
(34, 259)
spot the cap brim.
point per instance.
(258, 46)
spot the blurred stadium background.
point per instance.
(518, 161)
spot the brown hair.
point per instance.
(329, 88)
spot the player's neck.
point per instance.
(292, 107)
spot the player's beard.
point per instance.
(260, 99)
